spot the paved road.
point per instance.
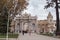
(34, 36)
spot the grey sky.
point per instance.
(36, 7)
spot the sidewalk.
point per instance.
(33, 36)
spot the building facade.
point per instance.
(24, 21)
(48, 25)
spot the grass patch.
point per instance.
(2, 35)
(2, 39)
(13, 36)
(50, 35)
(10, 35)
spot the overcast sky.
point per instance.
(36, 7)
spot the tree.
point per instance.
(8, 6)
(3, 20)
(11, 5)
(2, 3)
(16, 5)
(51, 3)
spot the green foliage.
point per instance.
(21, 5)
(5, 8)
(10, 35)
(3, 20)
(47, 34)
(51, 3)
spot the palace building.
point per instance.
(26, 21)
(22, 21)
(48, 25)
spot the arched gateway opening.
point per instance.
(30, 23)
(25, 22)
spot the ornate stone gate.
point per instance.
(25, 21)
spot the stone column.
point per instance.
(36, 26)
(21, 26)
(16, 27)
(29, 26)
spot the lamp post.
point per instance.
(7, 26)
(7, 21)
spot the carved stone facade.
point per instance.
(48, 25)
(23, 22)
(30, 23)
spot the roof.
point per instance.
(42, 22)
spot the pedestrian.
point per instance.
(24, 28)
(29, 32)
(23, 32)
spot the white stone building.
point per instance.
(27, 22)
(24, 21)
(48, 25)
